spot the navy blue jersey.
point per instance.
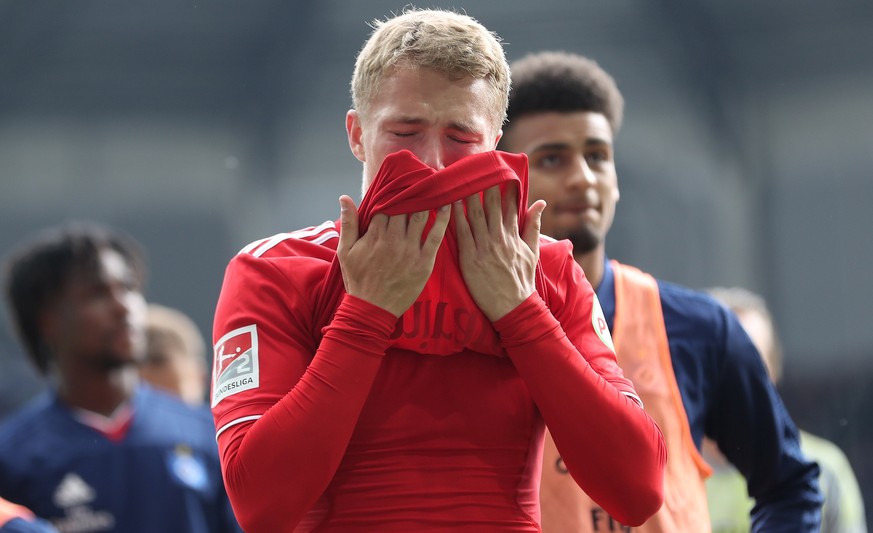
(729, 397)
(163, 475)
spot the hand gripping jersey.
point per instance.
(333, 415)
(405, 186)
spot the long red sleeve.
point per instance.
(304, 436)
(613, 450)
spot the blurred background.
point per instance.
(745, 157)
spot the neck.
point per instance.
(592, 264)
(98, 392)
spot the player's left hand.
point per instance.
(498, 262)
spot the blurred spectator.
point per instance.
(175, 354)
(729, 505)
(100, 451)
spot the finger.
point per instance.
(378, 225)
(510, 209)
(532, 225)
(493, 207)
(476, 215)
(397, 225)
(417, 222)
(348, 223)
(462, 227)
(437, 232)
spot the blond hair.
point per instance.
(451, 43)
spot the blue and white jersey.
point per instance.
(161, 474)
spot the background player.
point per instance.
(695, 368)
(99, 451)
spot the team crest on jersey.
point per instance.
(235, 367)
(187, 468)
(598, 320)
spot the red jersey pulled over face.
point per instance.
(353, 420)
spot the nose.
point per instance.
(581, 174)
(120, 299)
(431, 153)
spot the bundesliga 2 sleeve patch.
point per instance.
(235, 367)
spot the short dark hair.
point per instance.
(40, 269)
(563, 82)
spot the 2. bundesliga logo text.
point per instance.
(235, 366)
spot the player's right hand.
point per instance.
(389, 265)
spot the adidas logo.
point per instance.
(72, 491)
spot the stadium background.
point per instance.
(745, 158)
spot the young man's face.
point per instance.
(98, 319)
(572, 169)
(438, 119)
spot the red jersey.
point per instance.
(355, 420)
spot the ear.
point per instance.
(355, 132)
(497, 139)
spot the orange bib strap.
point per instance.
(641, 334)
